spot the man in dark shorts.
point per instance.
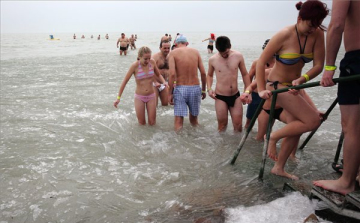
(225, 64)
(345, 19)
(124, 42)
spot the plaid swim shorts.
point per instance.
(187, 96)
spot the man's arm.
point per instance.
(244, 73)
(210, 79)
(334, 37)
(203, 76)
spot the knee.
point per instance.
(314, 124)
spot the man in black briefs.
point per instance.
(226, 94)
(124, 42)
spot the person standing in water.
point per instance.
(226, 64)
(161, 59)
(345, 19)
(145, 72)
(185, 91)
(210, 46)
(293, 46)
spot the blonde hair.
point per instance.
(142, 51)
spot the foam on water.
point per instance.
(293, 207)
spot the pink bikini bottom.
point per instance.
(145, 98)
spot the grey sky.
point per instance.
(146, 16)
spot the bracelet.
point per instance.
(118, 97)
(247, 91)
(209, 89)
(330, 68)
(203, 91)
(174, 82)
(307, 78)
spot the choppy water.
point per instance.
(67, 155)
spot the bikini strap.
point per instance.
(301, 49)
(273, 83)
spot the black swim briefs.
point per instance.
(229, 100)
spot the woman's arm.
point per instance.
(127, 77)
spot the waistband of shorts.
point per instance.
(187, 86)
(352, 53)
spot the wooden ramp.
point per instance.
(348, 206)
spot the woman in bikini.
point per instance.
(211, 39)
(145, 71)
(293, 46)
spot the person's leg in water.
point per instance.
(350, 120)
(263, 120)
(221, 109)
(140, 111)
(305, 119)
(236, 113)
(285, 151)
(151, 111)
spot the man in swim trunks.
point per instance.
(226, 93)
(345, 19)
(161, 59)
(123, 44)
(132, 42)
(183, 64)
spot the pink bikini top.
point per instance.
(141, 74)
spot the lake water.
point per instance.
(67, 155)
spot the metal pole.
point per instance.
(243, 139)
(266, 142)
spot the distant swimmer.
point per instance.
(135, 36)
(82, 37)
(161, 59)
(165, 38)
(99, 37)
(107, 36)
(210, 46)
(92, 36)
(124, 42)
(185, 91)
(170, 38)
(74, 36)
(227, 97)
(145, 72)
(132, 42)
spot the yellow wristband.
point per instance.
(330, 68)
(203, 91)
(174, 82)
(209, 89)
(118, 97)
(247, 91)
(307, 78)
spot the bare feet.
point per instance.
(294, 158)
(335, 185)
(280, 172)
(272, 153)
